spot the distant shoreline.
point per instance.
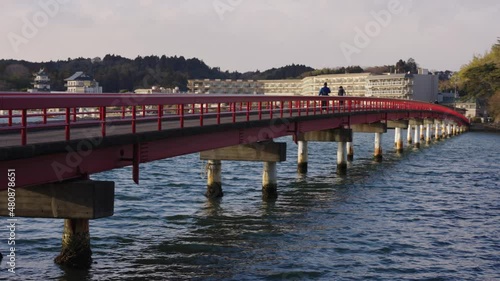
(485, 127)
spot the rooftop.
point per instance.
(79, 76)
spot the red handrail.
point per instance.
(124, 107)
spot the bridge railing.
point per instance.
(21, 113)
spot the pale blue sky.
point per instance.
(247, 35)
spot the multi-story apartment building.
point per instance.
(354, 84)
(282, 87)
(82, 83)
(228, 86)
(422, 87)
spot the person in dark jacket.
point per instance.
(324, 92)
(341, 93)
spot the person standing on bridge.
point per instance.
(341, 93)
(324, 92)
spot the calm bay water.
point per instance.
(432, 214)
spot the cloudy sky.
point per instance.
(247, 35)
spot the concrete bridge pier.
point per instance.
(75, 250)
(448, 130)
(377, 154)
(399, 141)
(214, 179)
(396, 136)
(302, 157)
(341, 158)
(428, 133)
(268, 152)
(443, 131)
(408, 137)
(417, 123)
(398, 127)
(436, 132)
(378, 129)
(270, 181)
(350, 152)
(341, 136)
(422, 136)
(417, 139)
(76, 202)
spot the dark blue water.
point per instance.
(431, 214)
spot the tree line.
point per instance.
(119, 74)
(480, 79)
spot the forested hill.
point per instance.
(116, 73)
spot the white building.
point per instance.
(228, 86)
(157, 90)
(423, 87)
(354, 84)
(291, 87)
(82, 83)
(41, 84)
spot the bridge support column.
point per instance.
(341, 136)
(443, 131)
(214, 179)
(398, 127)
(422, 137)
(448, 130)
(436, 132)
(76, 202)
(377, 154)
(428, 133)
(408, 137)
(75, 250)
(417, 139)
(269, 181)
(350, 152)
(396, 137)
(399, 140)
(341, 159)
(268, 152)
(302, 157)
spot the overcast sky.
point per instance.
(247, 35)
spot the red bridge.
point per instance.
(123, 130)
(53, 142)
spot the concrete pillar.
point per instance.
(399, 141)
(428, 133)
(455, 132)
(448, 130)
(422, 137)
(397, 131)
(76, 250)
(417, 138)
(214, 179)
(302, 156)
(377, 154)
(443, 131)
(350, 151)
(74, 201)
(436, 132)
(341, 159)
(408, 137)
(270, 181)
